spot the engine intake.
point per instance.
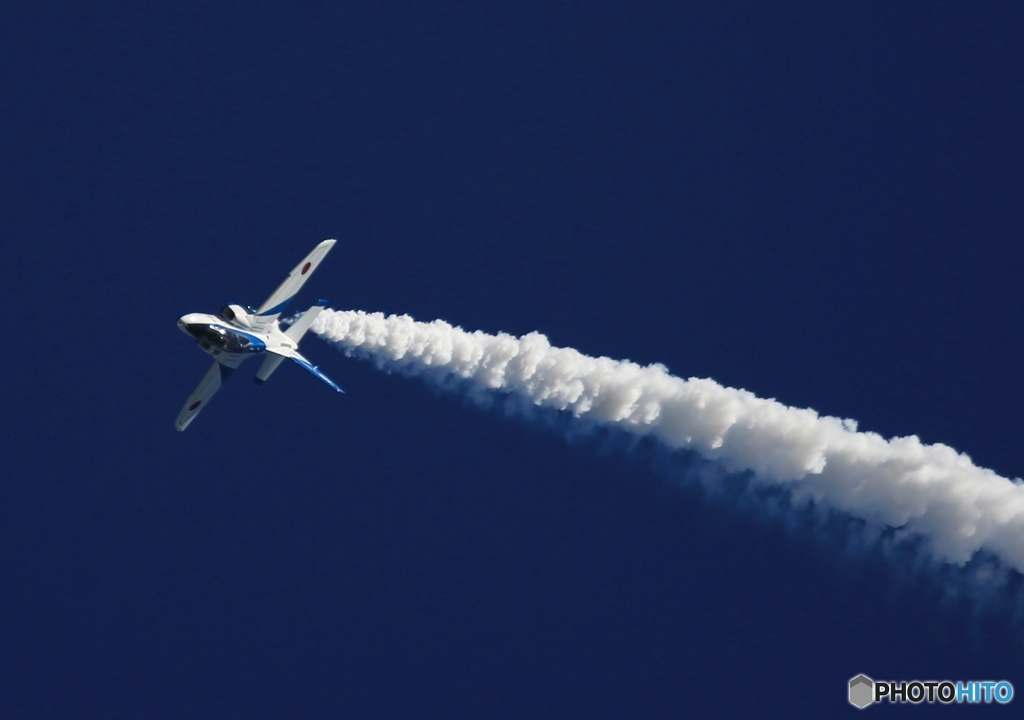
(236, 315)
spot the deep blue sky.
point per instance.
(821, 203)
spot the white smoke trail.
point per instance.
(923, 491)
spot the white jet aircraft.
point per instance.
(243, 333)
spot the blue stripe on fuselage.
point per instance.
(229, 339)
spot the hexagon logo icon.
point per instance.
(862, 690)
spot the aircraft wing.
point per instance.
(278, 301)
(222, 367)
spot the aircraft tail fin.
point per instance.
(294, 332)
(305, 364)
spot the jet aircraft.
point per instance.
(243, 332)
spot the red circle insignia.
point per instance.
(196, 404)
(305, 268)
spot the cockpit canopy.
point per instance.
(212, 336)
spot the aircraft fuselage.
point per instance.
(216, 335)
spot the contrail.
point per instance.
(930, 492)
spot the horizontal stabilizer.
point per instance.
(298, 328)
(269, 366)
(295, 357)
